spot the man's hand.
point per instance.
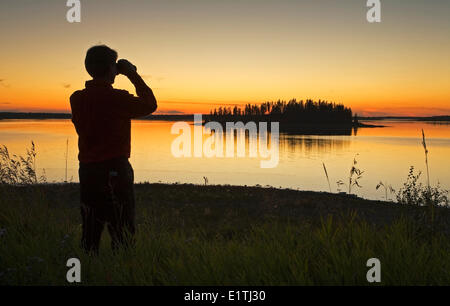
(126, 68)
(146, 101)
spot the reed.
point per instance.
(326, 174)
(353, 178)
(19, 170)
(66, 156)
(429, 202)
(386, 188)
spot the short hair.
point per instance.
(99, 59)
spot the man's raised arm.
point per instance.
(145, 103)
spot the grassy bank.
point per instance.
(225, 235)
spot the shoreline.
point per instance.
(255, 200)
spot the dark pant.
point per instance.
(107, 197)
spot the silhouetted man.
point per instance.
(102, 118)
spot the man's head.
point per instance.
(100, 63)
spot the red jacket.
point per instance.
(102, 118)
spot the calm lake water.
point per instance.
(384, 154)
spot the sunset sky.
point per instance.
(200, 54)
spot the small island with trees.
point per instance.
(312, 117)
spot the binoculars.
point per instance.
(121, 66)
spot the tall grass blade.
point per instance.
(326, 174)
(430, 203)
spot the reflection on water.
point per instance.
(309, 145)
(289, 142)
(322, 131)
(438, 122)
(383, 153)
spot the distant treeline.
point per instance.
(10, 115)
(435, 118)
(432, 118)
(292, 112)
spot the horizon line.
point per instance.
(191, 114)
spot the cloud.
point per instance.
(2, 82)
(169, 112)
(150, 77)
(413, 111)
(174, 112)
(66, 85)
(5, 103)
